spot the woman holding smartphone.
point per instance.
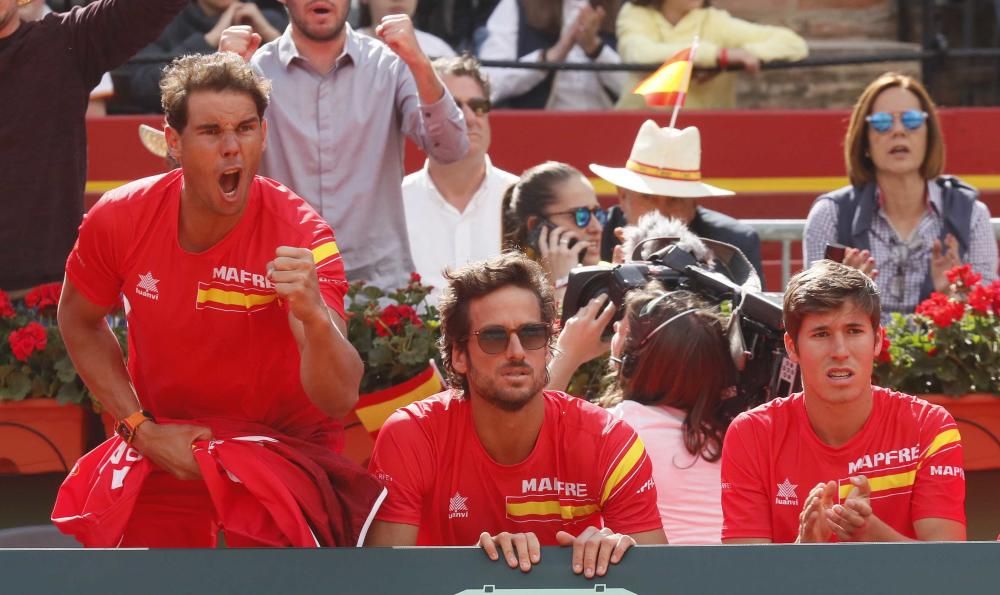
(902, 222)
(553, 216)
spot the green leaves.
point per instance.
(14, 385)
(64, 369)
(39, 371)
(929, 356)
(70, 393)
(396, 332)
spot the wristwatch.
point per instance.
(126, 427)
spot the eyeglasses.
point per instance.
(495, 339)
(911, 119)
(581, 215)
(478, 105)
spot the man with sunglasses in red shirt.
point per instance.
(498, 460)
(453, 209)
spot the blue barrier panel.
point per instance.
(842, 569)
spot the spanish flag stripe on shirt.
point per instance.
(625, 466)
(940, 441)
(549, 508)
(234, 298)
(908, 478)
(883, 483)
(324, 251)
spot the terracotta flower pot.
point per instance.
(978, 418)
(40, 436)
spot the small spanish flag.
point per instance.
(669, 84)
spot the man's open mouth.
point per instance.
(229, 181)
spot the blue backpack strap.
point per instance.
(855, 209)
(958, 199)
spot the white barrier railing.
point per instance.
(787, 231)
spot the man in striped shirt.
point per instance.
(501, 461)
(843, 460)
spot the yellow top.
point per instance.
(644, 35)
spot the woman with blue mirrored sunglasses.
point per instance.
(582, 215)
(913, 224)
(552, 214)
(911, 119)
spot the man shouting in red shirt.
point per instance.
(238, 357)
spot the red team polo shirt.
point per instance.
(909, 450)
(207, 335)
(587, 469)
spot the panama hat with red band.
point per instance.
(664, 162)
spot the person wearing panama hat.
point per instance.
(663, 173)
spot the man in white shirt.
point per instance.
(453, 210)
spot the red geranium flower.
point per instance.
(995, 292)
(943, 311)
(6, 308)
(963, 275)
(414, 277)
(44, 296)
(393, 319)
(27, 340)
(884, 356)
(981, 298)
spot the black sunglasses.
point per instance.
(581, 215)
(495, 339)
(478, 105)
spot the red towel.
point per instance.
(272, 488)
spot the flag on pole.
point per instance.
(669, 84)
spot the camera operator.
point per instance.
(673, 371)
(583, 335)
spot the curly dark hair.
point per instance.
(223, 71)
(478, 279)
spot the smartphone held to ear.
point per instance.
(835, 252)
(534, 236)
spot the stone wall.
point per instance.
(821, 19)
(832, 28)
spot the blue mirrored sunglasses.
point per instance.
(581, 215)
(911, 120)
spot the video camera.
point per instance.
(756, 329)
